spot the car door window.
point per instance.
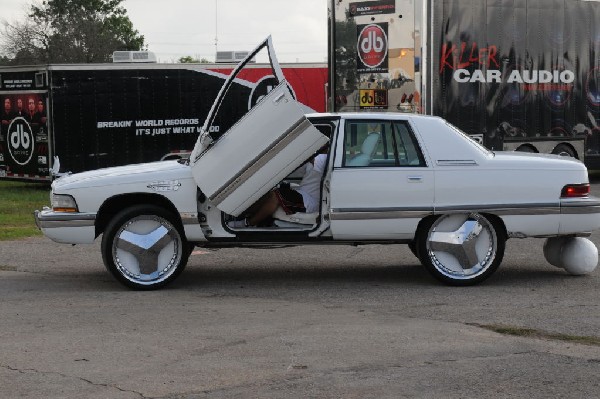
(409, 153)
(373, 143)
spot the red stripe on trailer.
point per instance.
(25, 175)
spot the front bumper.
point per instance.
(66, 227)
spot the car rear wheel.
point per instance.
(144, 247)
(413, 248)
(461, 249)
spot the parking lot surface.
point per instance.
(317, 322)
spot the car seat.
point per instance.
(282, 219)
(367, 150)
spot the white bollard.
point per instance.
(552, 249)
(578, 256)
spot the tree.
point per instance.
(71, 31)
(188, 59)
(4, 60)
(345, 55)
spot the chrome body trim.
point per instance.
(579, 206)
(260, 161)
(504, 209)
(48, 219)
(164, 185)
(379, 213)
(456, 162)
(521, 235)
(496, 209)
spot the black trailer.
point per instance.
(514, 74)
(93, 116)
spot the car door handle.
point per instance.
(415, 179)
(280, 97)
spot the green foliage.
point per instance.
(71, 31)
(345, 54)
(188, 59)
(17, 203)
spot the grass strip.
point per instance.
(18, 200)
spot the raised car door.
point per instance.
(381, 184)
(237, 167)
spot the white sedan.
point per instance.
(386, 178)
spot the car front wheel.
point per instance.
(144, 247)
(461, 249)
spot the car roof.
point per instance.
(368, 115)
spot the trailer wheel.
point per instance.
(564, 150)
(461, 249)
(527, 148)
(144, 247)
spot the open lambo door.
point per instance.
(235, 168)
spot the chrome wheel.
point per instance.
(144, 248)
(461, 249)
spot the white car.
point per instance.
(388, 179)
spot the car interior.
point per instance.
(369, 143)
(280, 220)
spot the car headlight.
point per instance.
(63, 203)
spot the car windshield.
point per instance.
(470, 140)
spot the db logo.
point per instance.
(367, 98)
(373, 98)
(20, 141)
(372, 45)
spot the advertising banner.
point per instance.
(373, 99)
(518, 72)
(24, 135)
(372, 48)
(17, 81)
(372, 7)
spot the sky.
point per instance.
(176, 28)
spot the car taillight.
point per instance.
(575, 190)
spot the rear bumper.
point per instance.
(578, 215)
(68, 228)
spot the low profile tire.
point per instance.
(461, 249)
(144, 247)
(413, 248)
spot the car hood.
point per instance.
(145, 172)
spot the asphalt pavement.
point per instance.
(295, 322)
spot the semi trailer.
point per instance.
(513, 74)
(90, 116)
